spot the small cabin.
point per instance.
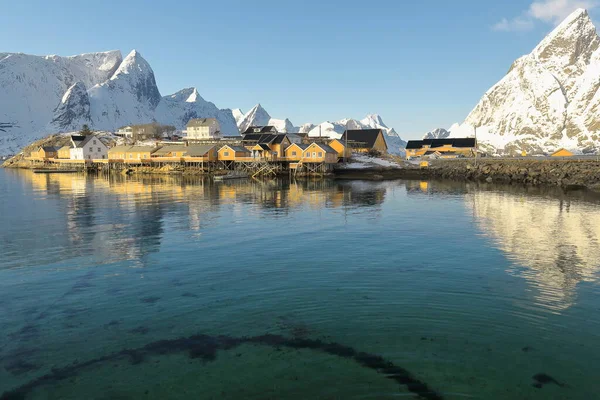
(231, 153)
(562, 153)
(340, 148)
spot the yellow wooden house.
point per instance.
(199, 152)
(231, 153)
(562, 153)
(131, 153)
(295, 152)
(45, 153)
(64, 152)
(318, 153)
(340, 147)
(269, 146)
(365, 140)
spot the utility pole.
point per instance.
(476, 146)
(346, 144)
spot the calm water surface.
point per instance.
(470, 289)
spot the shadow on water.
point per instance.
(206, 347)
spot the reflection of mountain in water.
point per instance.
(556, 239)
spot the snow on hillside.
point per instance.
(258, 116)
(439, 133)
(549, 99)
(50, 94)
(34, 86)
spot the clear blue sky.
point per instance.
(420, 64)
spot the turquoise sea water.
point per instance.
(168, 288)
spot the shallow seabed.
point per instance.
(168, 287)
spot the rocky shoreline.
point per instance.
(568, 174)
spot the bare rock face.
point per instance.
(549, 99)
(73, 110)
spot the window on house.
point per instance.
(314, 154)
(99, 150)
(145, 155)
(130, 155)
(293, 154)
(307, 155)
(94, 142)
(225, 154)
(320, 154)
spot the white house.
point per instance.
(203, 129)
(125, 131)
(88, 148)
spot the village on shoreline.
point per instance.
(262, 151)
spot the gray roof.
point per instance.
(201, 122)
(49, 148)
(327, 148)
(163, 151)
(151, 149)
(302, 146)
(198, 150)
(238, 148)
(119, 148)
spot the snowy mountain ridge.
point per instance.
(258, 116)
(53, 94)
(50, 94)
(549, 99)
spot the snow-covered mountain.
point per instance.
(372, 121)
(258, 116)
(549, 99)
(439, 133)
(49, 94)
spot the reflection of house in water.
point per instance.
(558, 241)
(115, 218)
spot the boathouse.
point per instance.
(231, 153)
(365, 140)
(442, 148)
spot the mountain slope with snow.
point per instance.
(50, 94)
(258, 116)
(549, 99)
(439, 133)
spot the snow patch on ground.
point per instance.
(362, 161)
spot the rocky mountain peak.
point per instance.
(572, 42)
(439, 133)
(73, 110)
